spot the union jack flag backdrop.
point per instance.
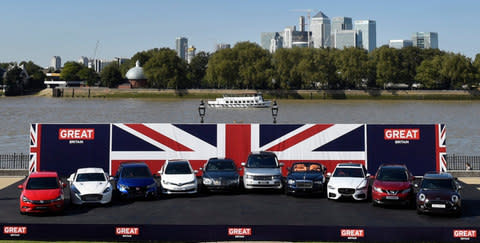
(67, 147)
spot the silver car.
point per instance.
(262, 170)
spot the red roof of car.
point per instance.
(44, 174)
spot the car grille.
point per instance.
(262, 178)
(137, 189)
(304, 184)
(346, 190)
(391, 192)
(91, 197)
(40, 202)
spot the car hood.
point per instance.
(145, 181)
(438, 194)
(178, 178)
(305, 176)
(347, 182)
(91, 187)
(36, 195)
(392, 185)
(222, 174)
(263, 171)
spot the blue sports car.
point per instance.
(134, 180)
(306, 177)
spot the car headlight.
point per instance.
(25, 199)
(152, 186)
(331, 187)
(74, 189)
(190, 182)
(248, 176)
(455, 198)
(406, 190)
(207, 181)
(122, 187)
(422, 197)
(276, 177)
(59, 198)
(108, 189)
(377, 189)
(291, 182)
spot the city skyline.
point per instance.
(39, 31)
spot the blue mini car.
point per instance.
(306, 177)
(134, 180)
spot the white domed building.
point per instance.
(136, 77)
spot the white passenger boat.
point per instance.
(240, 101)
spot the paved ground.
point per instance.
(254, 208)
(6, 181)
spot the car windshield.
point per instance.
(178, 168)
(90, 177)
(348, 172)
(136, 172)
(220, 165)
(262, 161)
(307, 167)
(392, 174)
(42, 183)
(437, 184)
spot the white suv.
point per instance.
(262, 170)
(349, 180)
(177, 177)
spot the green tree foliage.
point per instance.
(352, 67)
(37, 76)
(14, 82)
(165, 70)
(111, 75)
(197, 69)
(89, 76)
(389, 66)
(70, 71)
(222, 71)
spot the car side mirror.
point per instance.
(20, 186)
(329, 174)
(70, 179)
(368, 175)
(111, 178)
(200, 169)
(415, 185)
(281, 165)
(459, 187)
(195, 172)
(243, 164)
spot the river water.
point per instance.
(16, 113)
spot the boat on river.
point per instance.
(254, 100)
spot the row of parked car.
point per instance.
(392, 184)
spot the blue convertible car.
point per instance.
(306, 177)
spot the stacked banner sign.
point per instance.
(66, 147)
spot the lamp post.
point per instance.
(274, 111)
(201, 110)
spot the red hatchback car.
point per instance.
(42, 192)
(393, 185)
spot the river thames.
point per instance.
(461, 117)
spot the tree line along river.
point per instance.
(462, 118)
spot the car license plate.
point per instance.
(438, 205)
(263, 182)
(41, 208)
(392, 197)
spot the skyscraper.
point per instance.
(320, 28)
(339, 24)
(345, 38)
(222, 46)
(182, 47)
(425, 40)
(191, 53)
(83, 60)
(367, 30)
(399, 44)
(56, 63)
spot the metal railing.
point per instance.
(14, 161)
(459, 162)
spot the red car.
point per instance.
(42, 192)
(393, 185)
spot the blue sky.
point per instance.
(37, 30)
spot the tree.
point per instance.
(37, 76)
(70, 71)
(89, 76)
(389, 66)
(428, 73)
(166, 70)
(458, 71)
(14, 81)
(197, 69)
(352, 67)
(111, 75)
(222, 70)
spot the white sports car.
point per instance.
(90, 185)
(177, 177)
(348, 181)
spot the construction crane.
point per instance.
(309, 17)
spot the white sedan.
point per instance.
(90, 185)
(177, 177)
(348, 181)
